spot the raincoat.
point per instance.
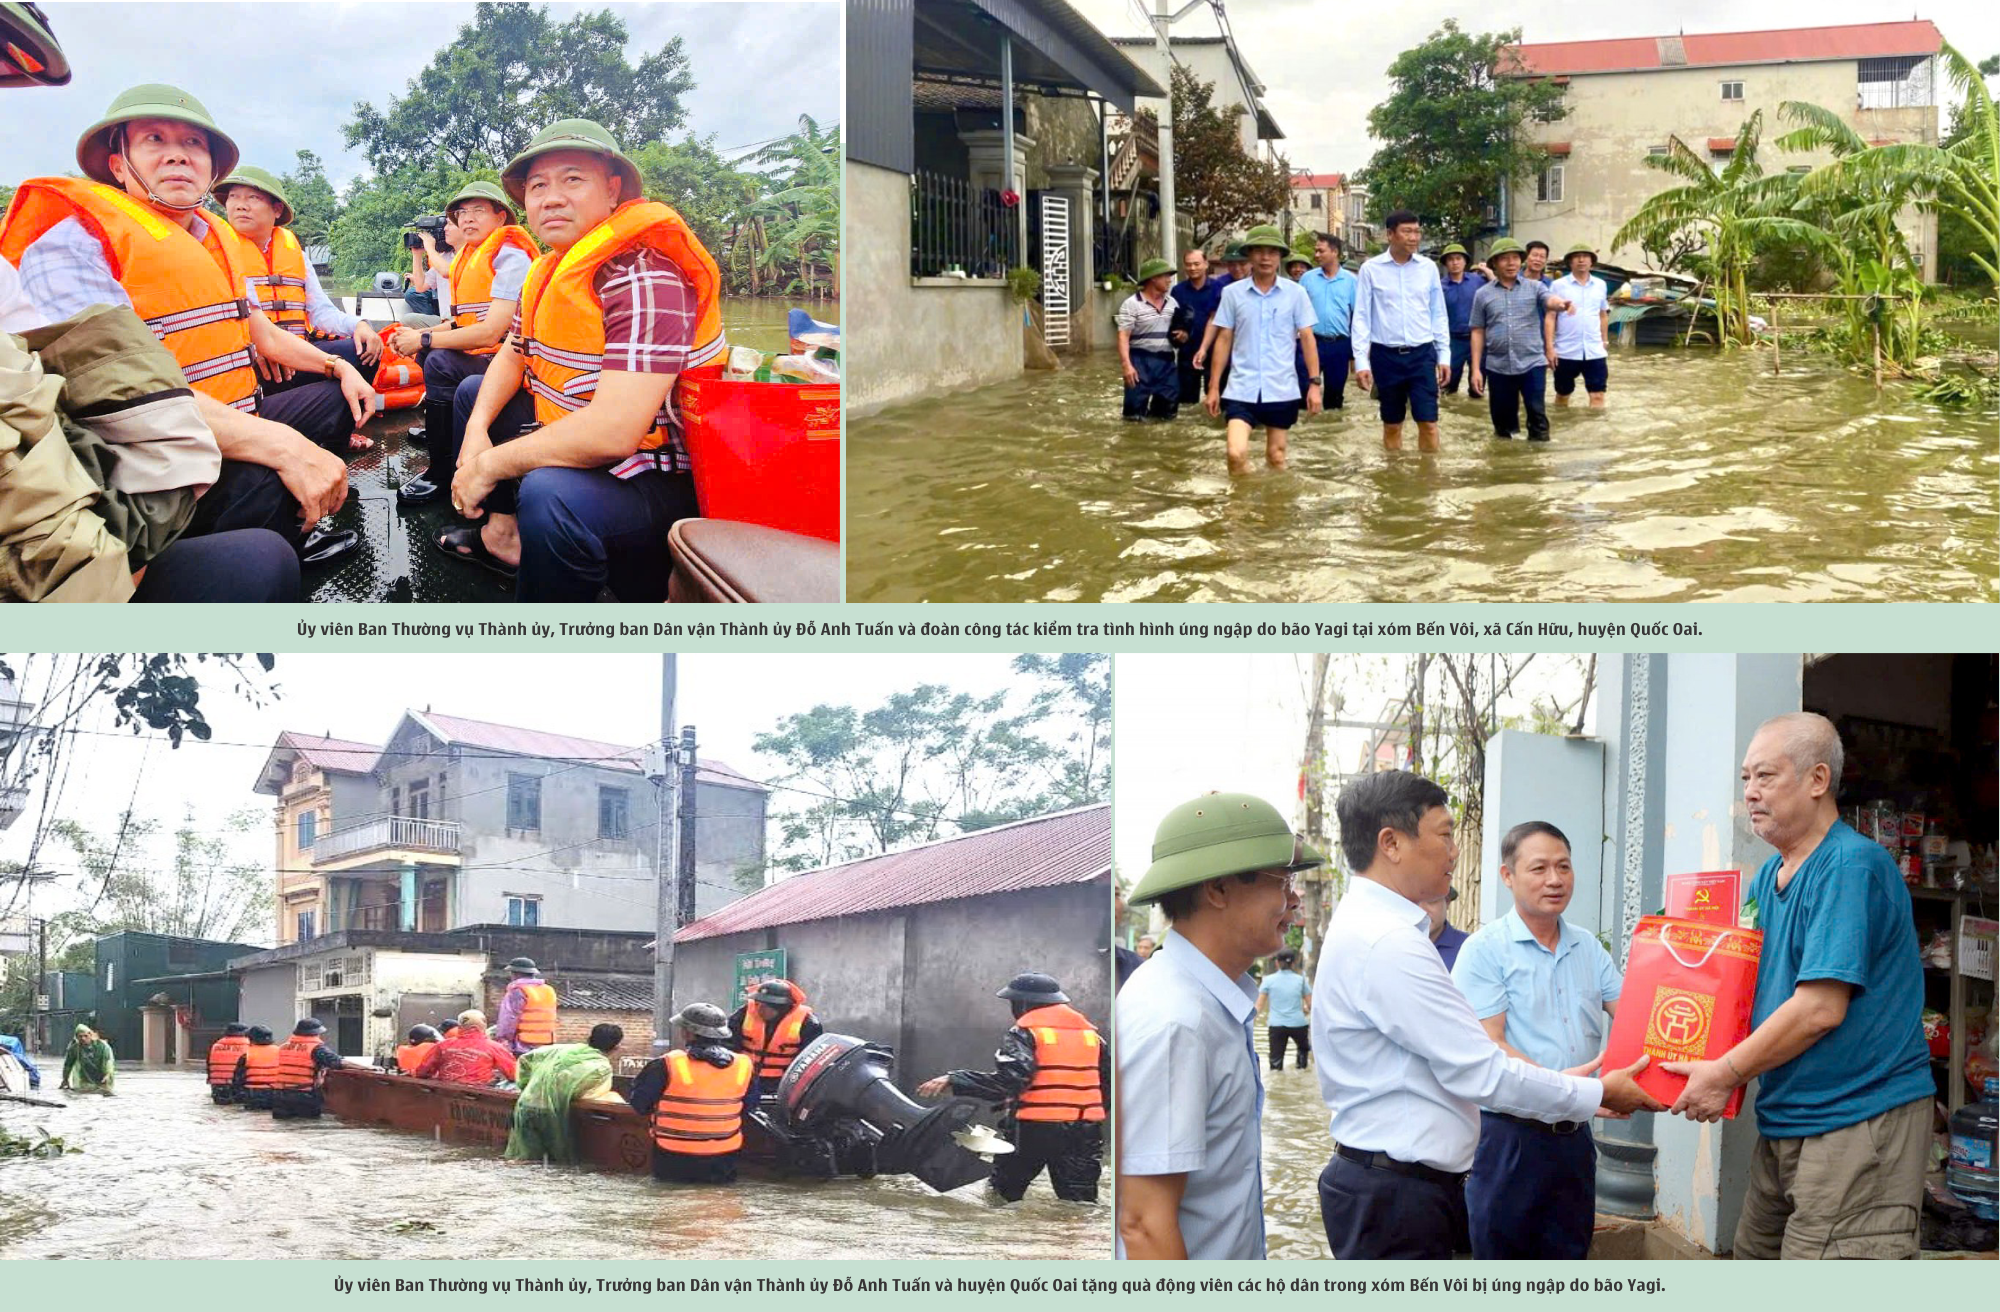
(551, 1078)
(19, 1051)
(88, 1066)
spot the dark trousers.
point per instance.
(1157, 395)
(421, 302)
(221, 1093)
(1193, 382)
(1461, 357)
(1506, 394)
(582, 530)
(444, 372)
(245, 564)
(342, 348)
(1532, 1194)
(1336, 357)
(686, 1168)
(314, 408)
(1370, 1213)
(445, 369)
(1283, 1034)
(256, 1100)
(1073, 1153)
(295, 1104)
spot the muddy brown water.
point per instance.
(1706, 479)
(396, 562)
(164, 1173)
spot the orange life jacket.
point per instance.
(774, 1054)
(280, 280)
(189, 292)
(701, 1112)
(472, 279)
(409, 1056)
(538, 1013)
(260, 1066)
(295, 1062)
(1066, 1086)
(222, 1055)
(562, 320)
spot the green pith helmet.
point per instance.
(1454, 248)
(246, 175)
(29, 55)
(1220, 834)
(1298, 257)
(1234, 252)
(1579, 250)
(153, 100)
(570, 134)
(1505, 246)
(1152, 269)
(483, 191)
(1264, 234)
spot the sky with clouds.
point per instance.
(282, 76)
(1325, 66)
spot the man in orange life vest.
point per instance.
(223, 1055)
(287, 287)
(570, 446)
(694, 1098)
(528, 1011)
(410, 1056)
(771, 1027)
(256, 1072)
(303, 1060)
(494, 254)
(1053, 1070)
(134, 235)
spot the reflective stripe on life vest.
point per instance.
(260, 1066)
(222, 1055)
(295, 1062)
(538, 1013)
(562, 319)
(188, 290)
(280, 280)
(472, 279)
(701, 1112)
(1067, 1085)
(775, 1056)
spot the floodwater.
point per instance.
(164, 1173)
(396, 562)
(1296, 1148)
(1705, 479)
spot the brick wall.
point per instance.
(573, 1025)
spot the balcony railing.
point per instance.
(390, 832)
(954, 225)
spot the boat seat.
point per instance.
(721, 560)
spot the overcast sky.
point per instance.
(1192, 724)
(612, 698)
(284, 76)
(1325, 66)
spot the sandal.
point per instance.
(465, 544)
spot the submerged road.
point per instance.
(164, 1173)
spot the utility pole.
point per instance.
(38, 1022)
(665, 815)
(1170, 233)
(684, 880)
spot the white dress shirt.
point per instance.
(1403, 1065)
(1399, 303)
(1579, 332)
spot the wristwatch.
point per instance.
(425, 338)
(333, 366)
(1316, 380)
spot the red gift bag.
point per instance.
(1688, 991)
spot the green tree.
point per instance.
(367, 238)
(314, 203)
(203, 890)
(510, 73)
(707, 190)
(6, 197)
(1452, 129)
(1216, 184)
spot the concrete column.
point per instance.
(153, 1023)
(408, 919)
(986, 157)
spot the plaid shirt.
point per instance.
(649, 320)
(64, 272)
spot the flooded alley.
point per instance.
(1706, 479)
(1296, 1149)
(162, 1173)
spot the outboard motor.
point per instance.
(838, 1088)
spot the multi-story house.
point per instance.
(1319, 203)
(459, 822)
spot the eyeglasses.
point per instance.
(1289, 878)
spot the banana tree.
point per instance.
(1727, 210)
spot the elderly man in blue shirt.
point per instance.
(1542, 989)
(1330, 288)
(1260, 320)
(1844, 1104)
(1402, 338)
(1191, 1100)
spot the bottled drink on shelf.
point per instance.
(1971, 1173)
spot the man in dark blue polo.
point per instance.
(1197, 294)
(1459, 287)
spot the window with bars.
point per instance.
(613, 813)
(1549, 186)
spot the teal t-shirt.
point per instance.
(1845, 916)
(1287, 990)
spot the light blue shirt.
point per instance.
(1266, 326)
(1554, 1001)
(1332, 300)
(1399, 305)
(1192, 1099)
(1287, 991)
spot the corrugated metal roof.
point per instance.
(336, 754)
(1722, 49)
(537, 742)
(1315, 181)
(1069, 847)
